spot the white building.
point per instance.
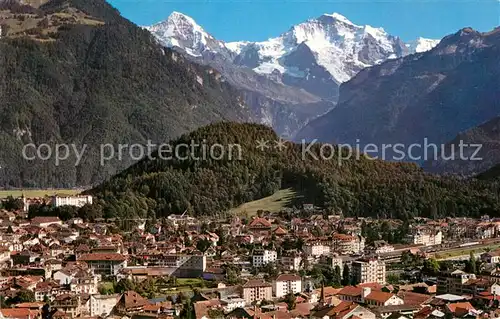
(427, 237)
(495, 289)
(337, 261)
(316, 249)
(183, 219)
(285, 284)
(63, 277)
(380, 247)
(232, 302)
(348, 244)
(291, 262)
(102, 305)
(263, 257)
(85, 284)
(77, 201)
(368, 270)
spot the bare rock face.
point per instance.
(433, 95)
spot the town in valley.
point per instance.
(302, 262)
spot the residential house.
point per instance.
(260, 226)
(129, 303)
(232, 302)
(492, 257)
(69, 304)
(45, 221)
(379, 298)
(102, 305)
(345, 310)
(25, 258)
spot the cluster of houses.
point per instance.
(64, 265)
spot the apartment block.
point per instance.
(285, 284)
(368, 270)
(257, 290)
(262, 257)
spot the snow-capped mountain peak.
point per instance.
(422, 45)
(182, 31)
(331, 48)
(339, 17)
(178, 16)
(338, 46)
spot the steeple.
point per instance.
(322, 299)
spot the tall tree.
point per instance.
(346, 276)
(291, 301)
(470, 266)
(203, 245)
(337, 276)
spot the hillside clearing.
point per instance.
(274, 203)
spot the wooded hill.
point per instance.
(67, 79)
(361, 187)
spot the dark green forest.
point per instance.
(364, 187)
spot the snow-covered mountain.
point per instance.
(295, 77)
(329, 43)
(181, 31)
(421, 45)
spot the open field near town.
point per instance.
(465, 251)
(195, 282)
(273, 203)
(38, 192)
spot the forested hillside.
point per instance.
(76, 72)
(485, 139)
(357, 187)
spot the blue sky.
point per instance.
(257, 20)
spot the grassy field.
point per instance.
(195, 282)
(466, 251)
(185, 285)
(38, 192)
(273, 203)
